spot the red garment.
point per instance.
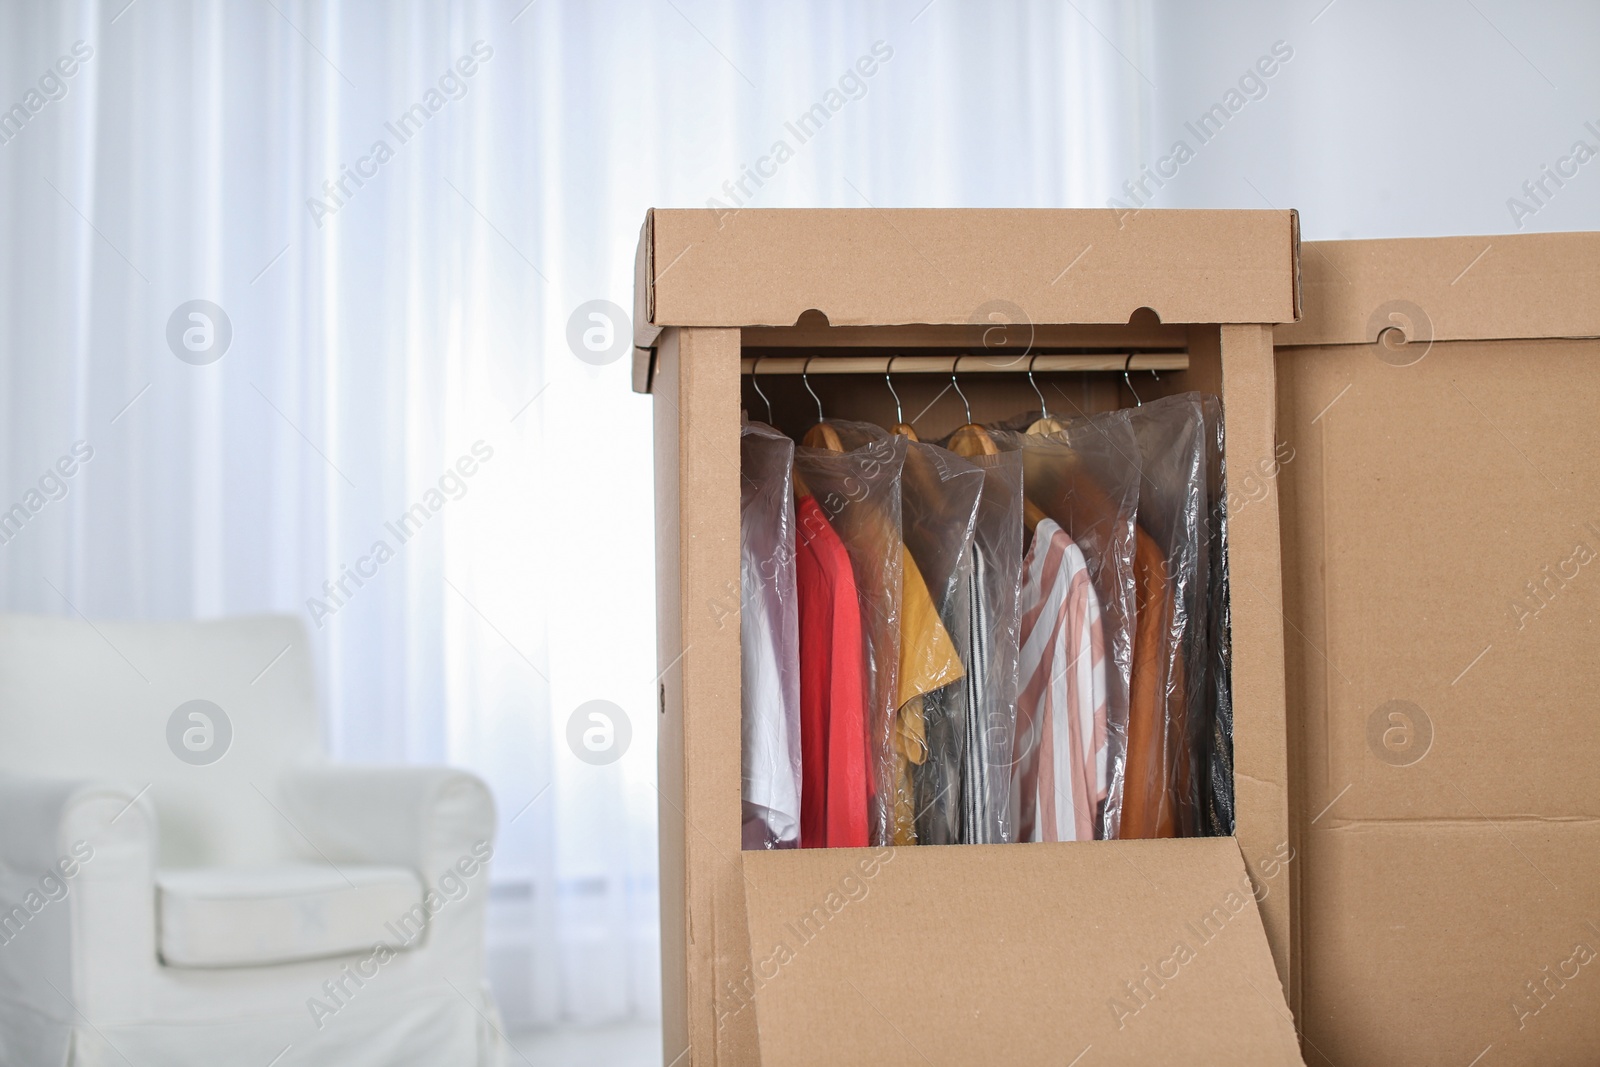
(833, 732)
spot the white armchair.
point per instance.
(193, 886)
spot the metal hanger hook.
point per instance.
(957, 387)
(755, 383)
(1044, 409)
(899, 413)
(1128, 382)
(805, 379)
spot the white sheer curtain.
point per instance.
(385, 329)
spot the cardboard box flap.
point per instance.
(644, 272)
(865, 267)
(1449, 289)
(1143, 951)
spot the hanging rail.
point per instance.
(1041, 363)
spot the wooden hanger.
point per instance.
(970, 439)
(974, 440)
(823, 436)
(1045, 425)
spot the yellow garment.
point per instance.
(928, 661)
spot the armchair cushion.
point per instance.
(255, 916)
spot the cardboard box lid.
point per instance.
(865, 267)
(1449, 289)
(1141, 951)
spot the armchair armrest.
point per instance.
(43, 820)
(77, 868)
(430, 819)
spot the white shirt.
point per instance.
(769, 635)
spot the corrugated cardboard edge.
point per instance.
(1511, 287)
(704, 940)
(644, 332)
(644, 368)
(940, 267)
(1294, 253)
(1261, 751)
(672, 851)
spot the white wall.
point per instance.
(1408, 119)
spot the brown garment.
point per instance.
(1148, 803)
(1186, 816)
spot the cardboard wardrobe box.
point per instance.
(1441, 537)
(1091, 952)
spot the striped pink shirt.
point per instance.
(1061, 710)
